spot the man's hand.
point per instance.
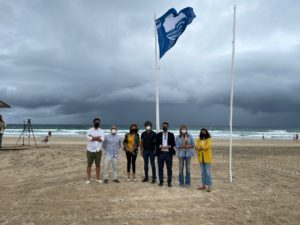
(97, 138)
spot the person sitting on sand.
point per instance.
(46, 139)
(185, 146)
(2, 128)
(131, 144)
(111, 146)
(203, 146)
(95, 138)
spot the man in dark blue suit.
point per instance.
(165, 143)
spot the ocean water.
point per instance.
(15, 130)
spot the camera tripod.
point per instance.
(27, 129)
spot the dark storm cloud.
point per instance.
(69, 61)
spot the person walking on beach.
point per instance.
(203, 146)
(185, 146)
(2, 128)
(165, 143)
(148, 139)
(131, 145)
(95, 138)
(111, 146)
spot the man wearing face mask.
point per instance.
(95, 138)
(148, 138)
(111, 146)
(165, 143)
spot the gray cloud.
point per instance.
(68, 61)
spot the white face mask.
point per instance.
(148, 127)
(113, 131)
(183, 131)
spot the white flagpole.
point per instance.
(157, 77)
(231, 94)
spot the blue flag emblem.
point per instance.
(170, 26)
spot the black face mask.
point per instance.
(165, 129)
(202, 136)
(96, 125)
(133, 130)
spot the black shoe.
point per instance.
(116, 181)
(145, 179)
(105, 181)
(153, 181)
(160, 184)
(169, 185)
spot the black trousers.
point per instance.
(165, 157)
(1, 135)
(131, 159)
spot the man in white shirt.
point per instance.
(95, 138)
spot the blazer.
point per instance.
(204, 156)
(136, 143)
(171, 142)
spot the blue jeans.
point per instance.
(187, 163)
(149, 155)
(162, 158)
(206, 173)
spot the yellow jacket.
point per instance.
(206, 150)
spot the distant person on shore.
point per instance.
(185, 145)
(263, 137)
(203, 146)
(296, 137)
(111, 146)
(165, 143)
(2, 128)
(148, 139)
(131, 145)
(95, 138)
(46, 138)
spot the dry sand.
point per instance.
(47, 186)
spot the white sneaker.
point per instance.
(99, 181)
(134, 180)
(88, 181)
(128, 179)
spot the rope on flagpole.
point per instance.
(157, 77)
(231, 94)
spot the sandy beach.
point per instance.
(47, 186)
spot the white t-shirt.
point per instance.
(94, 146)
(165, 139)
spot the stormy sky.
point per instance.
(68, 61)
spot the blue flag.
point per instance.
(170, 26)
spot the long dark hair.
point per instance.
(204, 134)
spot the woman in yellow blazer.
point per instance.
(203, 147)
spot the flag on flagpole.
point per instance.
(170, 26)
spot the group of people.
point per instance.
(150, 145)
(296, 137)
